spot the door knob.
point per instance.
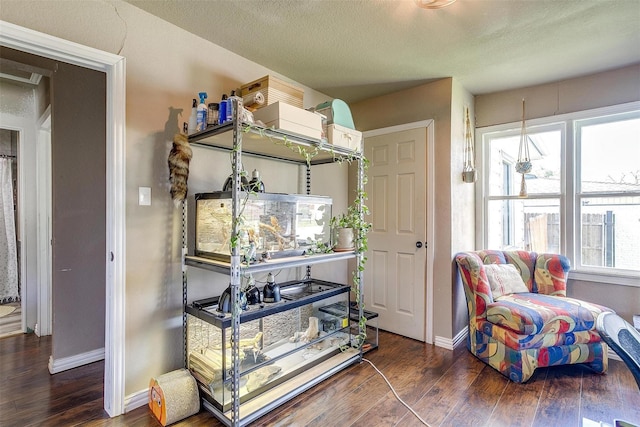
(418, 245)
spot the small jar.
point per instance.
(213, 114)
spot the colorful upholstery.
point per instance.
(517, 333)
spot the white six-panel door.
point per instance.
(395, 285)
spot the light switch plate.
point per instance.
(144, 196)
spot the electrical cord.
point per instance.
(396, 394)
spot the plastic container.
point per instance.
(212, 114)
(193, 117)
(222, 110)
(230, 107)
(201, 114)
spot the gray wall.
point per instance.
(78, 154)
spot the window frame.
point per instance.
(570, 233)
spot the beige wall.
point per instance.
(443, 101)
(594, 91)
(584, 93)
(165, 68)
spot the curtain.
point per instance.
(8, 252)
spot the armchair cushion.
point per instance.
(531, 313)
(520, 342)
(504, 279)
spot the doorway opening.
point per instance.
(36, 43)
(10, 283)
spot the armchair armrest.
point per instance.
(476, 285)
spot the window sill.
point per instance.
(599, 277)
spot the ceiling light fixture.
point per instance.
(433, 4)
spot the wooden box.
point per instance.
(273, 90)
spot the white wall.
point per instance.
(166, 67)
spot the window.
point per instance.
(583, 192)
(608, 191)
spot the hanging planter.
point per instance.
(523, 165)
(469, 171)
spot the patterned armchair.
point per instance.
(519, 332)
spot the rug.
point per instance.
(6, 310)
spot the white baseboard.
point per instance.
(136, 400)
(451, 343)
(66, 363)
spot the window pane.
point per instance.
(610, 232)
(609, 154)
(529, 224)
(544, 178)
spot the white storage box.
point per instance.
(344, 137)
(291, 119)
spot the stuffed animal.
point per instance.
(179, 158)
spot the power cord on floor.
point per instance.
(396, 394)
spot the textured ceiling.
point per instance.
(355, 49)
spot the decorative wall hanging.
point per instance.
(469, 171)
(523, 165)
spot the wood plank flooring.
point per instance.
(12, 323)
(446, 388)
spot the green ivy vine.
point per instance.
(356, 212)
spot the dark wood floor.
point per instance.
(446, 388)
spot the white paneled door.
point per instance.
(395, 285)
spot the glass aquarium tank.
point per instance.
(278, 341)
(271, 226)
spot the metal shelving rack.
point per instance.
(241, 138)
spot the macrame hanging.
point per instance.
(469, 170)
(523, 165)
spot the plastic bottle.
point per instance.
(201, 116)
(212, 114)
(230, 106)
(193, 117)
(222, 111)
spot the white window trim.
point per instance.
(567, 191)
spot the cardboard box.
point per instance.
(273, 90)
(344, 137)
(291, 119)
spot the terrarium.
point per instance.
(271, 225)
(277, 341)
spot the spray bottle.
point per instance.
(201, 116)
(193, 117)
